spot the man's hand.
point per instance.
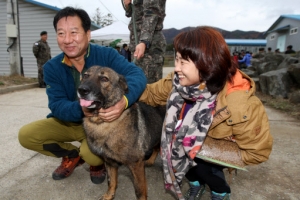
(126, 3)
(139, 50)
(112, 113)
(87, 112)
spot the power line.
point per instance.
(108, 10)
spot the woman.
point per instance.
(206, 96)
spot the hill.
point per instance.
(237, 34)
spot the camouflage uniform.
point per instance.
(149, 17)
(41, 51)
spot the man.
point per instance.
(269, 50)
(246, 60)
(289, 50)
(125, 52)
(52, 136)
(41, 51)
(151, 43)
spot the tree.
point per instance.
(102, 20)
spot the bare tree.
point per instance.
(102, 20)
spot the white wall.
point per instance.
(4, 55)
(34, 19)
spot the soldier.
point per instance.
(150, 50)
(41, 51)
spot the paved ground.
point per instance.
(25, 174)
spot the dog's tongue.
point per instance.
(85, 103)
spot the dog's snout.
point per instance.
(83, 90)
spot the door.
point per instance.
(281, 43)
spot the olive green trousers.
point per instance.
(53, 137)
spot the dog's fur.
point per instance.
(131, 139)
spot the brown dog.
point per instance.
(130, 140)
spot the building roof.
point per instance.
(43, 5)
(271, 29)
(246, 42)
(53, 8)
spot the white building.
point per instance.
(284, 32)
(33, 17)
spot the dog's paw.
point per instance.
(107, 197)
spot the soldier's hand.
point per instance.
(126, 3)
(114, 112)
(139, 50)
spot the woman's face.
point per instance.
(187, 71)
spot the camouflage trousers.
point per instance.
(41, 76)
(152, 66)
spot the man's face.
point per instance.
(71, 37)
(44, 37)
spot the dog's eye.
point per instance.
(85, 75)
(103, 79)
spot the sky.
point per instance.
(230, 15)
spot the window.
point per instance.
(294, 31)
(272, 37)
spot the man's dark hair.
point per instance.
(269, 49)
(43, 33)
(70, 11)
(290, 46)
(124, 45)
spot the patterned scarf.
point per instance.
(182, 138)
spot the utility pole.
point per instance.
(13, 37)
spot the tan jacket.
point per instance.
(239, 114)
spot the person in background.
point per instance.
(277, 50)
(118, 49)
(150, 49)
(42, 53)
(246, 61)
(236, 57)
(124, 51)
(53, 136)
(289, 50)
(202, 97)
(129, 55)
(269, 50)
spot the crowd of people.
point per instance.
(243, 58)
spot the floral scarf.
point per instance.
(182, 139)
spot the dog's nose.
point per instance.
(83, 90)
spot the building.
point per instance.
(283, 32)
(251, 45)
(31, 17)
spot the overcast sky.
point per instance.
(245, 15)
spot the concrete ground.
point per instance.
(26, 175)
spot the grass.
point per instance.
(12, 80)
(283, 105)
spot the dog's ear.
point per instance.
(123, 83)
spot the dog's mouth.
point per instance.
(90, 104)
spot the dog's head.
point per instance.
(101, 87)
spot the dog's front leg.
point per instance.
(112, 180)
(139, 179)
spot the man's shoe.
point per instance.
(66, 167)
(98, 174)
(194, 192)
